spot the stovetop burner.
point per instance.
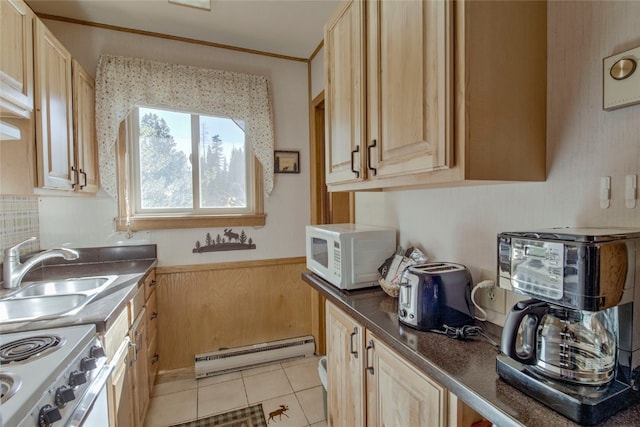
(9, 384)
(29, 348)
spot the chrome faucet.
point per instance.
(14, 271)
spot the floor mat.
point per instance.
(252, 416)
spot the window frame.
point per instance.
(128, 220)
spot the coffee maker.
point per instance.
(575, 345)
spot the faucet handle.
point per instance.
(14, 251)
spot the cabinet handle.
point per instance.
(153, 282)
(155, 359)
(85, 179)
(369, 347)
(76, 177)
(371, 168)
(139, 339)
(351, 349)
(353, 153)
(153, 315)
(135, 353)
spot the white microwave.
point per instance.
(348, 255)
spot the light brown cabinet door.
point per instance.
(152, 337)
(84, 116)
(120, 392)
(138, 335)
(409, 69)
(16, 59)
(345, 374)
(54, 124)
(397, 393)
(345, 94)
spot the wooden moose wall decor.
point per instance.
(229, 241)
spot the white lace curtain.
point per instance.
(123, 83)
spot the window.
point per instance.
(189, 170)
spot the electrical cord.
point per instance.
(465, 332)
(483, 284)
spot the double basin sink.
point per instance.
(52, 298)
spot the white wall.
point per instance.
(317, 73)
(89, 221)
(584, 142)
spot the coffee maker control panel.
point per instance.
(568, 267)
(537, 268)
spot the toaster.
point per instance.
(436, 294)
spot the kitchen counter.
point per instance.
(466, 368)
(129, 263)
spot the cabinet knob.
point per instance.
(153, 315)
(155, 359)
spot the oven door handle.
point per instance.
(90, 396)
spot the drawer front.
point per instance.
(112, 338)
(149, 284)
(136, 304)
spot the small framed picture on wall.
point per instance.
(286, 161)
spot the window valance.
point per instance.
(123, 83)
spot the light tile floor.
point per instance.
(295, 384)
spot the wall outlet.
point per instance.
(493, 298)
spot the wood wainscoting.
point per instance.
(208, 307)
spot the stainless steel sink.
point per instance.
(69, 286)
(52, 298)
(33, 308)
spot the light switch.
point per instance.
(605, 191)
(621, 79)
(630, 191)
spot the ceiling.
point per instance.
(292, 28)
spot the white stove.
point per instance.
(52, 377)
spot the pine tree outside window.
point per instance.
(189, 163)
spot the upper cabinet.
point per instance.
(16, 59)
(84, 129)
(450, 93)
(408, 87)
(345, 94)
(65, 118)
(54, 120)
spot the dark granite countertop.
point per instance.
(129, 263)
(466, 368)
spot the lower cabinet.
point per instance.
(345, 369)
(120, 392)
(369, 384)
(130, 344)
(138, 335)
(397, 393)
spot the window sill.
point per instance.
(189, 221)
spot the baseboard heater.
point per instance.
(234, 359)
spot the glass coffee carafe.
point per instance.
(570, 345)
